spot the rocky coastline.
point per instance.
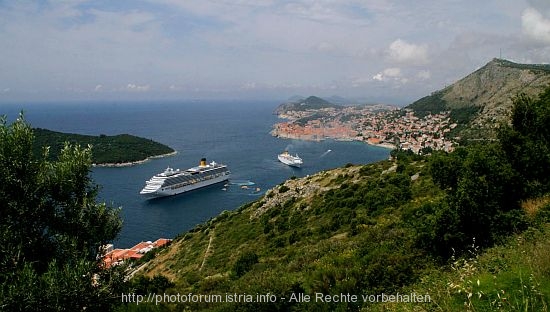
(133, 163)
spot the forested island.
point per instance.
(116, 150)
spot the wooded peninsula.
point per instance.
(116, 150)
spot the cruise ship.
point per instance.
(175, 181)
(287, 159)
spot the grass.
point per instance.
(514, 276)
(534, 205)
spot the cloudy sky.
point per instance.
(393, 51)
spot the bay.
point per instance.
(229, 132)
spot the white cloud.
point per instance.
(404, 52)
(138, 88)
(535, 25)
(392, 73)
(378, 77)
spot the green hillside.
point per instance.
(469, 230)
(122, 148)
(359, 230)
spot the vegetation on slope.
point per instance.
(469, 229)
(51, 229)
(435, 104)
(431, 104)
(513, 276)
(122, 148)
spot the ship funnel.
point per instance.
(203, 162)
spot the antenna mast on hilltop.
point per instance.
(500, 53)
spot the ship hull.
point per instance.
(168, 191)
(288, 162)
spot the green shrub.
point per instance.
(283, 189)
(244, 263)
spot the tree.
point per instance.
(486, 183)
(486, 192)
(51, 228)
(482, 198)
(445, 168)
(244, 263)
(526, 142)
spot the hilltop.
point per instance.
(310, 103)
(106, 150)
(484, 98)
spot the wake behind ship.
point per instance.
(172, 182)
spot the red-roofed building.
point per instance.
(162, 241)
(117, 256)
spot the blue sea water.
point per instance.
(233, 133)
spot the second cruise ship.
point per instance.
(176, 181)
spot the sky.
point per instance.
(386, 51)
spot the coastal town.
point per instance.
(379, 125)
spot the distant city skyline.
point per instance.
(392, 52)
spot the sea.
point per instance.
(235, 133)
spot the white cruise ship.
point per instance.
(287, 159)
(172, 182)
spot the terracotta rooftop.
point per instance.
(119, 255)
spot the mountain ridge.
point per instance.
(484, 98)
